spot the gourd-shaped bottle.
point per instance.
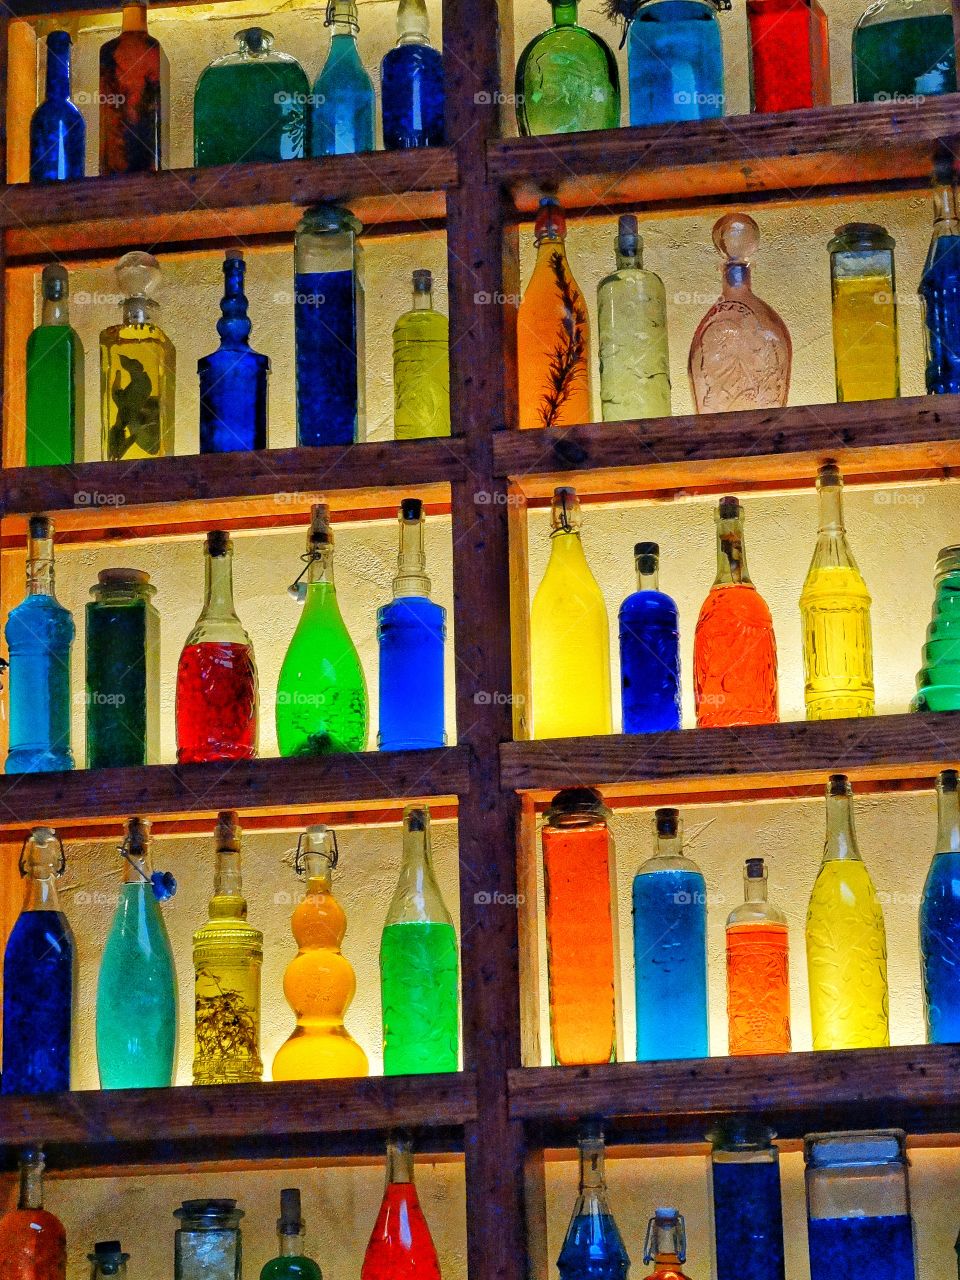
(400, 1246)
(567, 78)
(569, 635)
(122, 671)
(208, 1243)
(411, 83)
(940, 288)
(553, 333)
(411, 631)
(251, 105)
(137, 988)
(674, 59)
(421, 367)
(758, 975)
(55, 369)
(666, 1245)
(134, 98)
(58, 132)
(649, 650)
(746, 1201)
(632, 322)
(940, 920)
(39, 634)
(322, 691)
(835, 613)
(33, 1243)
(343, 102)
(903, 49)
(233, 379)
(938, 680)
(418, 963)
(217, 706)
(108, 1259)
(789, 55)
(846, 939)
(319, 982)
(593, 1248)
(670, 948)
(741, 352)
(137, 369)
(227, 958)
(39, 978)
(292, 1262)
(864, 293)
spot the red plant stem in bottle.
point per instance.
(33, 1243)
(789, 55)
(400, 1247)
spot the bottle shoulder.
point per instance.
(651, 605)
(41, 618)
(756, 913)
(410, 58)
(416, 608)
(677, 864)
(291, 1268)
(633, 283)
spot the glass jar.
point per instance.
(863, 290)
(904, 49)
(789, 55)
(675, 61)
(122, 671)
(746, 1204)
(938, 680)
(207, 1244)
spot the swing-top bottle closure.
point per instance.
(135, 848)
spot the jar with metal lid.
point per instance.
(863, 290)
(207, 1244)
(122, 671)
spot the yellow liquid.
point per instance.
(865, 339)
(837, 644)
(421, 375)
(847, 959)
(227, 957)
(137, 392)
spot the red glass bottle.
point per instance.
(789, 55)
(400, 1247)
(33, 1243)
(134, 98)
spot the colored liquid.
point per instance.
(938, 682)
(38, 986)
(291, 1267)
(39, 634)
(400, 1247)
(327, 324)
(137, 392)
(58, 142)
(940, 291)
(33, 1246)
(649, 663)
(134, 104)
(411, 631)
(837, 644)
(758, 989)
(233, 400)
(54, 395)
(865, 338)
(419, 989)
(748, 1219)
(421, 375)
(735, 659)
(227, 956)
(675, 63)
(251, 110)
(670, 964)
(553, 346)
(567, 80)
(903, 58)
(881, 1247)
(411, 91)
(342, 112)
(216, 703)
(940, 949)
(122, 684)
(634, 360)
(789, 55)
(593, 1249)
(847, 959)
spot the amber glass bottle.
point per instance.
(33, 1243)
(134, 98)
(758, 981)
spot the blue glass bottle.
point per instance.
(649, 650)
(593, 1248)
(343, 101)
(940, 289)
(746, 1202)
(675, 61)
(38, 977)
(411, 631)
(411, 84)
(58, 132)
(670, 948)
(233, 379)
(39, 634)
(940, 920)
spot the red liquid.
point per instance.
(216, 703)
(735, 659)
(33, 1246)
(400, 1247)
(789, 55)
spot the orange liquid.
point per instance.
(758, 989)
(33, 1246)
(735, 659)
(553, 346)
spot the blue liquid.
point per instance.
(881, 1248)
(940, 291)
(593, 1249)
(326, 322)
(675, 63)
(940, 949)
(670, 964)
(39, 635)
(58, 133)
(411, 90)
(38, 984)
(649, 663)
(233, 400)
(748, 1220)
(411, 632)
(343, 103)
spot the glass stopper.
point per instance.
(736, 236)
(255, 40)
(55, 282)
(138, 274)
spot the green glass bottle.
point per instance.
(322, 693)
(938, 681)
(567, 78)
(54, 378)
(421, 369)
(291, 1263)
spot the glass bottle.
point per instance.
(322, 691)
(227, 958)
(632, 323)
(741, 352)
(734, 648)
(108, 1259)
(666, 1245)
(33, 1243)
(758, 970)
(328, 327)
(39, 634)
(649, 650)
(343, 102)
(593, 1248)
(400, 1246)
(411, 631)
(251, 105)
(846, 939)
(553, 333)
(292, 1262)
(904, 49)
(137, 369)
(746, 1204)
(569, 635)
(122, 671)
(208, 1243)
(789, 55)
(674, 60)
(233, 379)
(940, 288)
(55, 372)
(137, 988)
(39, 977)
(58, 131)
(567, 78)
(421, 370)
(419, 962)
(670, 948)
(217, 703)
(134, 98)
(319, 982)
(940, 920)
(411, 83)
(864, 291)
(938, 680)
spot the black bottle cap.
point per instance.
(411, 509)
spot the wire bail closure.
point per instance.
(26, 840)
(308, 558)
(298, 853)
(163, 883)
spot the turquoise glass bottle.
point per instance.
(54, 377)
(343, 103)
(567, 78)
(938, 681)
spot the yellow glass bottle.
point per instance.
(569, 635)
(227, 958)
(863, 288)
(319, 982)
(421, 367)
(835, 616)
(846, 939)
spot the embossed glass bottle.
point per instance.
(567, 78)
(940, 287)
(904, 49)
(758, 976)
(421, 369)
(58, 132)
(343, 103)
(134, 98)
(411, 83)
(233, 379)
(789, 55)
(746, 1201)
(400, 1246)
(291, 1262)
(938, 680)
(593, 1247)
(122, 671)
(674, 59)
(33, 1243)
(649, 650)
(940, 920)
(864, 291)
(55, 374)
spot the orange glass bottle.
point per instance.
(758, 975)
(33, 1243)
(666, 1245)
(134, 98)
(400, 1246)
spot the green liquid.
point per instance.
(251, 111)
(418, 981)
(291, 1267)
(123, 659)
(908, 57)
(54, 395)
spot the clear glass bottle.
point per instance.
(400, 1246)
(846, 939)
(904, 49)
(567, 78)
(39, 634)
(593, 1247)
(291, 1262)
(233, 379)
(55, 373)
(741, 352)
(569, 635)
(122, 671)
(674, 59)
(411, 83)
(58, 131)
(649, 650)
(137, 369)
(33, 1243)
(39, 977)
(758, 970)
(666, 1245)
(343, 102)
(227, 959)
(940, 919)
(134, 98)
(746, 1203)
(632, 323)
(217, 702)
(864, 292)
(207, 1243)
(789, 55)
(421, 368)
(108, 1259)
(938, 680)
(940, 287)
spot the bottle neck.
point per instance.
(736, 277)
(40, 577)
(945, 211)
(399, 1162)
(40, 890)
(55, 311)
(134, 17)
(629, 260)
(138, 868)
(58, 74)
(228, 899)
(320, 571)
(830, 497)
(731, 553)
(564, 13)
(31, 1183)
(668, 846)
(648, 579)
(292, 1244)
(411, 579)
(841, 843)
(754, 889)
(948, 821)
(234, 323)
(345, 21)
(592, 1166)
(218, 587)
